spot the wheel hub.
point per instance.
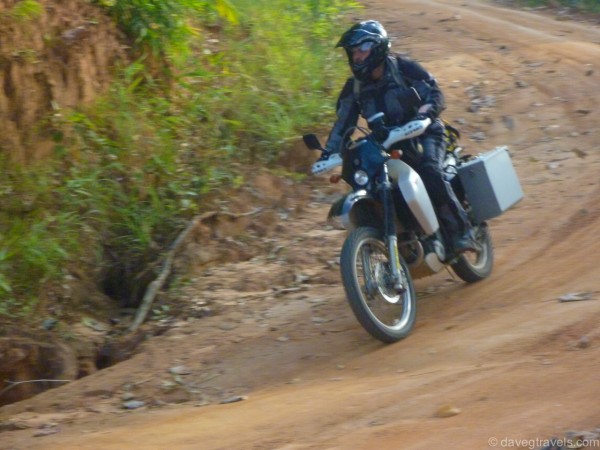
(384, 282)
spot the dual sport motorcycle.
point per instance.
(393, 232)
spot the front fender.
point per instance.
(355, 209)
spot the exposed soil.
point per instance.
(502, 359)
(56, 60)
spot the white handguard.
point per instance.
(325, 164)
(407, 131)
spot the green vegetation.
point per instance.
(25, 10)
(162, 27)
(244, 78)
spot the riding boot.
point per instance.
(457, 233)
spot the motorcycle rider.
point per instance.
(404, 91)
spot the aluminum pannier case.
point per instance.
(491, 184)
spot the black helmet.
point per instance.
(368, 31)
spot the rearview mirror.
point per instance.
(312, 142)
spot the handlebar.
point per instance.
(327, 163)
(409, 130)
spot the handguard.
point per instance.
(408, 131)
(326, 163)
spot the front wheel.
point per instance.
(388, 315)
(475, 266)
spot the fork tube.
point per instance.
(389, 212)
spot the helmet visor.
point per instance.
(363, 47)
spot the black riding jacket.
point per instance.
(390, 94)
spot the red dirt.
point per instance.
(515, 363)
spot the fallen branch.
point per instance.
(158, 283)
(12, 384)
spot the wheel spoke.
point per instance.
(365, 268)
(380, 297)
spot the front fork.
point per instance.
(389, 228)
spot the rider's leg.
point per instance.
(449, 210)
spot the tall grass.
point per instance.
(281, 72)
(35, 237)
(130, 170)
(163, 27)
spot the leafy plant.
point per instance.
(26, 10)
(274, 78)
(165, 27)
(161, 312)
(130, 170)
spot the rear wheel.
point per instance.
(475, 266)
(386, 313)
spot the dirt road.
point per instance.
(509, 362)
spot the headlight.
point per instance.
(361, 178)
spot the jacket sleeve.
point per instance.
(348, 111)
(425, 84)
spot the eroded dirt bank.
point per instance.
(512, 361)
(59, 58)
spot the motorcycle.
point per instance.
(394, 235)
